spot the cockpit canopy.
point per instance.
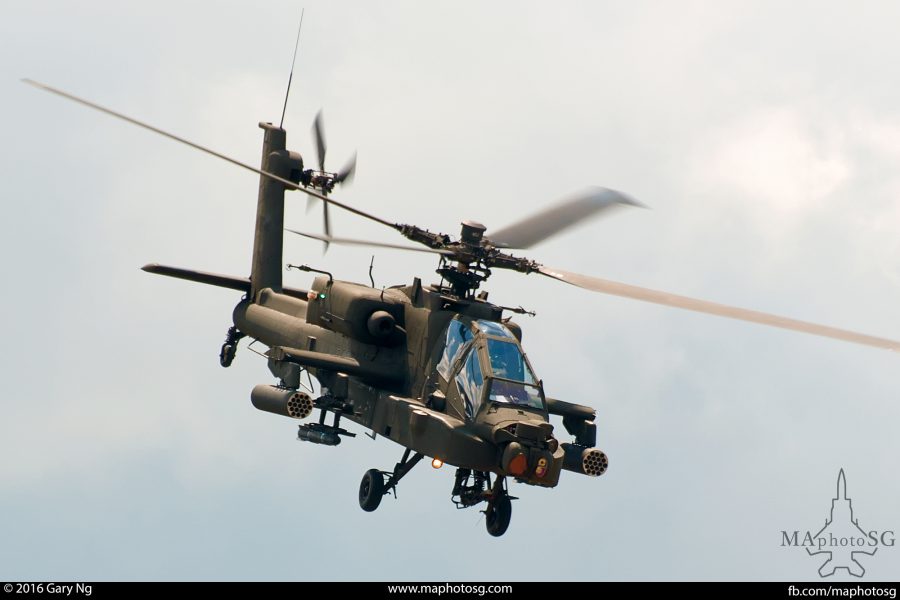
(486, 363)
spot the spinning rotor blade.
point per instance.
(319, 133)
(345, 175)
(529, 232)
(559, 217)
(285, 182)
(355, 242)
(326, 222)
(606, 286)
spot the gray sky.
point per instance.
(765, 137)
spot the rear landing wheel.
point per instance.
(226, 355)
(371, 490)
(229, 348)
(498, 515)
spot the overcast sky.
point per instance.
(764, 137)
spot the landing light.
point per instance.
(437, 463)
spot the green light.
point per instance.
(321, 295)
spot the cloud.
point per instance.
(778, 163)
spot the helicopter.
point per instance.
(436, 368)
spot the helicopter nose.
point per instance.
(537, 431)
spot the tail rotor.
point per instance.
(322, 180)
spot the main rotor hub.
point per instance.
(472, 233)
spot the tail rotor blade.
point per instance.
(345, 175)
(319, 133)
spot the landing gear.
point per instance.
(499, 510)
(373, 486)
(472, 488)
(466, 494)
(469, 489)
(229, 348)
(371, 489)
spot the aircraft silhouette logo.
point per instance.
(842, 541)
(842, 527)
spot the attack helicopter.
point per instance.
(435, 367)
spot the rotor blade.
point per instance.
(559, 217)
(319, 133)
(355, 242)
(285, 182)
(345, 175)
(606, 286)
(326, 227)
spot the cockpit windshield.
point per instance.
(494, 328)
(470, 382)
(458, 334)
(511, 392)
(507, 361)
(485, 354)
(512, 379)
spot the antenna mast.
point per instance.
(291, 76)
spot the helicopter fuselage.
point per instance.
(381, 357)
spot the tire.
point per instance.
(499, 513)
(226, 356)
(371, 490)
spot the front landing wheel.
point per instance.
(498, 515)
(371, 490)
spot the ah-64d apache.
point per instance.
(436, 367)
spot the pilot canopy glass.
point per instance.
(485, 361)
(508, 362)
(512, 381)
(458, 335)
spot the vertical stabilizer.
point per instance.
(269, 235)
